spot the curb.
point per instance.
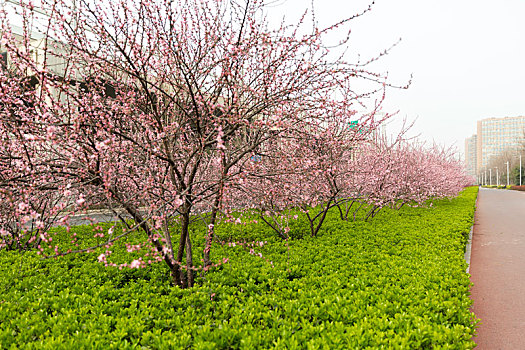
(468, 248)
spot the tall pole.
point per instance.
(507, 173)
(520, 169)
(490, 176)
(485, 176)
(497, 177)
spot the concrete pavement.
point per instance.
(497, 268)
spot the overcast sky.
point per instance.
(467, 57)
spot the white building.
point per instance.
(498, 135)
(471, 155)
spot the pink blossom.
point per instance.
(23, 206)
(30, 137)
(80, 200)
(51, 129)
(177, 202)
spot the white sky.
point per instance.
(467, 57)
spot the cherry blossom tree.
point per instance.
(399, 172)
(156, 107)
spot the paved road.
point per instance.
(96, 217)
(102, 215)
(497, 267)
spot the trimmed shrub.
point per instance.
(396, 282)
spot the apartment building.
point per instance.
(494, 137)
(471, 147)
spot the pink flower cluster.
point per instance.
(162, 128)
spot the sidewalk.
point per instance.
(98, 215)
(497, 268)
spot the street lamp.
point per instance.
(520, 169)
(507, 173)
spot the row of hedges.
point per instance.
(397, 282)
(511, 187)
(502, 187)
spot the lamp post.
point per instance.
(490, 176)
(507, 173)
(497, 177)
(520, 169)
(485, 176)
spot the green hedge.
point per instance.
(396, 282)
(504, 187)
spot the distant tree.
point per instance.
(499, 162)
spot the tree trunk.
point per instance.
(189, 262)
(139, 220)
(211, 228)
(321, 219)
(184, 223)
(214, 212)
(349, 207)
(356, 211)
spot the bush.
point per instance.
(396, 282)
(498, 187)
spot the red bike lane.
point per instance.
(497, 269)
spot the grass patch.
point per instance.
(396, 282)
